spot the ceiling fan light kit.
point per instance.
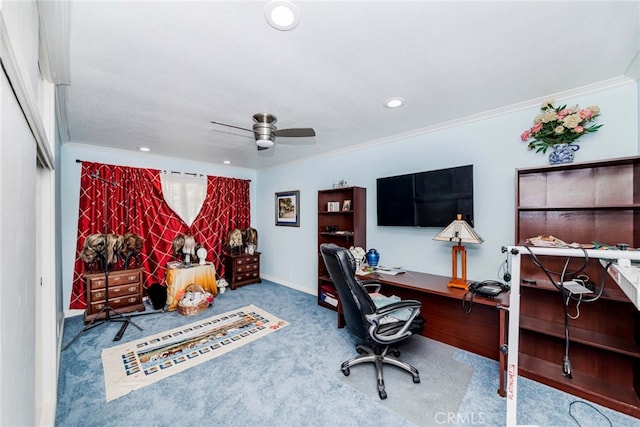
(265, 131)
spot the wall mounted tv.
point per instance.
(426, 199)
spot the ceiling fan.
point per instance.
(265, 131)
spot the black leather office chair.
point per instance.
(375, 329)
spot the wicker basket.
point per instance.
(192, 310)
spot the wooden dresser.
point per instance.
(240, 270)
(125, 292)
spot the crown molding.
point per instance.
(579, 91)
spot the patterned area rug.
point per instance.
(138, 363)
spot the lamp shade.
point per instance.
(459, 231)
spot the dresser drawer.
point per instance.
(245, 260)
(115, 279)
(115, 291)
(116, 303)
(237, 278)
(244, 268)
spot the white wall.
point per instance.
(18, 222)
(493, 146)
(70, 190)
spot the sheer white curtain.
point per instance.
(184, 193)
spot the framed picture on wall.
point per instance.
(288, 208)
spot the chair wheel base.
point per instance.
(416, 380)
(346, 372)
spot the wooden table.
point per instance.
(179, 278)
(482, 331)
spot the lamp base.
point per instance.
(457, 283)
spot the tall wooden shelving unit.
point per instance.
(344, 227)
(580, 202)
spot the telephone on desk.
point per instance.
(488, 288)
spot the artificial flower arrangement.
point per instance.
(358, 253)
(560, 125)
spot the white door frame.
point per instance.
(46, 355)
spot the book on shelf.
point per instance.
(330, 300)
(328, 295)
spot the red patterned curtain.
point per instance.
(135, 204)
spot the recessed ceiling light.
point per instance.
(394, 102)
(144, 149)
(282, 15)
(227, 162)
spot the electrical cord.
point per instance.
(567, 296)
(592, 407)
(548, 273)
(574, 317)
(504, 271)
(467, 303)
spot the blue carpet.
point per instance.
(284, 379)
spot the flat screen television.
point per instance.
(426, 199)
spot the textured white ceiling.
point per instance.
(155, 73)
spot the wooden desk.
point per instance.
(482, 331)
(179, 278)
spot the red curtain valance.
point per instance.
(135, 204)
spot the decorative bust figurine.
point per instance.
(202, 255)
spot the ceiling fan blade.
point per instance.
(232, 126)
(295, 132)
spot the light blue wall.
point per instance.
(494, 148)
(70, 190)
(289, 254)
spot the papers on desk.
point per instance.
(389, 270)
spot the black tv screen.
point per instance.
(426, 199)
(398, 207)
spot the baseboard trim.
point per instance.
(288, 284)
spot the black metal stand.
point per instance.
(107, 309)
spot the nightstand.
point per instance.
(243, 269)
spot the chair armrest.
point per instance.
(371, 285)
(405, 303)
(375, 318)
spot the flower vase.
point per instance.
(562, 153)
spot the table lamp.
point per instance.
(459, 231)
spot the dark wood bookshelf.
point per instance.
(345, 228)
(587, 203)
